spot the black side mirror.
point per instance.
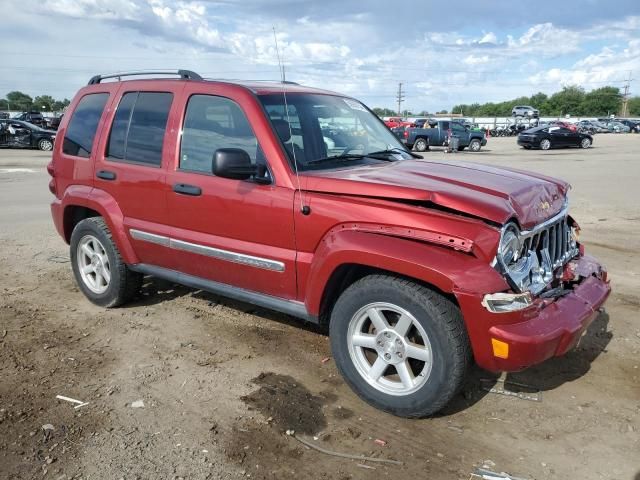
(236, 164)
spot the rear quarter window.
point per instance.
(81, 131)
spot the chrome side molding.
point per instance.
(227, 255)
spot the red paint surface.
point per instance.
(433, 221)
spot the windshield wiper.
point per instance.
(337, 158)
(392, 151)
(383, 155)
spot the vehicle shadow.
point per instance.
(547, 376)
(544, 377)
(156, 291)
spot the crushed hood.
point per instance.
(491, 193)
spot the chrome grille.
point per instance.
(543, 251)
(552, 238)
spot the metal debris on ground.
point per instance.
(534, 394)
(362, 458)
(489, 475)
(79, 403)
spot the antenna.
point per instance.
(303, 208)
(280, 65)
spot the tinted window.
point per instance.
(81, 130)
(137, 133)
(118, 135)
(212, 123)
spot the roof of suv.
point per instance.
(258, 87)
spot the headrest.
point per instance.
(282, 129)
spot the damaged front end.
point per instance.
(532, 261)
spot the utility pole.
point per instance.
(625, 97)
(400, 98)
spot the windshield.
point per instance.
(325, 131)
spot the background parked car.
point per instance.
(617, 127)
(634, 126)
(440, 132)
(525, 111)
(35, 118)
(561, 123)
(545, 138)
(19, 134)
(52, 123)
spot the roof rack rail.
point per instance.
(213, 79)
(186, 74)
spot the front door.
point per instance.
(237, 232)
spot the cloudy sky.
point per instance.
(444, 52)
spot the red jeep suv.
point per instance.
(301, 200)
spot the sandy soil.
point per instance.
(222, 381)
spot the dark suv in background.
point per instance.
(35, 118)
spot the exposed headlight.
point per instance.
(506, 302)
(512, 258)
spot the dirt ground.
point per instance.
(222, 381)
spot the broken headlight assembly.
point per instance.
(529, 259)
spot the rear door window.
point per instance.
(81, 131)
(137, 133)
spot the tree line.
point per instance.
(572, 100)
(19, 101)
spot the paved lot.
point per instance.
(221, 381)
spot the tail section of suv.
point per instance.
(525, 111)
(302, 201)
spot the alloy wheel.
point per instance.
(45, 145)
(93, 264)
(389, 348)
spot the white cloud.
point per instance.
(489, 38)
(473, 60)
(595, 70)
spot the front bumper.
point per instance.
(548, 328)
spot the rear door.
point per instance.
(236, 232)
(460, 132)
(130, 167)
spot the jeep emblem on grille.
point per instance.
(544, 206)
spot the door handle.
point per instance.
(106, 175)
(187, 189)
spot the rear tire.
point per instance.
(421, 145)
(98, 267)
(402, 347)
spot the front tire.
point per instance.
(545, 144)
(421, 145)
(98, 267)
(585, 143)
(45, 145)
(400, 346)
(475, 145)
